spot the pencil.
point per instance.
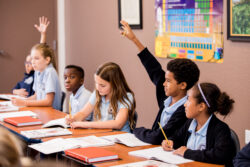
(163, 132)
(69, 110)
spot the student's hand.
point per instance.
(82, 124)
(127, 31)
(180, 151)
(167, 145)
(21, 92)
(69, 119)
(44, 23)
(18, 102)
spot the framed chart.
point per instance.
(189, 29)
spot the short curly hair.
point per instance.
(184, 70)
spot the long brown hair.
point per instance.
(112, 73)
(46, 51)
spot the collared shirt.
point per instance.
(168, 111)
(48, 82)
(197, 140)
(78, 101)
(27, 83)
(105, 107)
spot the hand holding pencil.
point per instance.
(167, 145)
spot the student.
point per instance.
(113, 102)
(24, 87)
(46, 84)
(204, 137)
(73, 80)
(242, 158)
(171, 89)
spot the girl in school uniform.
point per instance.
(46, 84)
(204, 137)
(113, 102)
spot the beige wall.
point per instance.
(92, 37)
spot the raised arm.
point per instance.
(42, 28)
(127, 32)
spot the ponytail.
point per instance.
(216, 101)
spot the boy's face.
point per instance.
(28, 65)
(171, 86)
(72, 80)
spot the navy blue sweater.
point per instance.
(27, 83)
(242, 159)
(157, 76)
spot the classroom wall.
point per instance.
(92, 38)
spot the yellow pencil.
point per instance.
(163, 132)
(69, 110)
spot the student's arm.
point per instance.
(243, 157)
(153, 67)
(20, 92)
(42, 28)
(33, 97)
(127, 31)
(222, 152)
(118, 123)
(47, 102)
(81, 115)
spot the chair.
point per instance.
(62, 100)
(235, 139)
(135, 119)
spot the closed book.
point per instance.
(91, 154)
(23, 121)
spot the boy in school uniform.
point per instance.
(171, 90)
(73, 81)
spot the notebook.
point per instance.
(17, 114)
(147, 163)
(39, 133)
(23, 121)
(159, 154)
(56, 122)
(60, 144)
(127, 139)
(8, 97)
(7, 106)
(92, 154)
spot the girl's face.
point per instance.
(39, 63)
(192, 108)
(102, 86)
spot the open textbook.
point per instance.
(7, 106)
(147, 163)
(8, 97)
(56, 122)
(17, 114)
(159, 154)
(127, 139)
(39, 133)
(60, 144)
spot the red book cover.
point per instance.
(91, 154)
(23, 121)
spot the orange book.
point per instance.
(23, 121)
(91, 154)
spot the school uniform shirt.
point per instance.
(27, 83)
(48, 82)
(169, 110)
(197, 140)
(219, 149)
(242, 158)
(78, 101)
(105, 107)
(178, 117)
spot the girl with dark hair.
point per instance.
(204, 137)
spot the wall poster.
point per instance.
(189, 29)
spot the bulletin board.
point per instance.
(190, 29)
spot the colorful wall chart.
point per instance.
(189, 29)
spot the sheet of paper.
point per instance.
(7, 106)
(17, 114)
(147, 163)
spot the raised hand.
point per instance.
(44, 23)
(127, 31)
